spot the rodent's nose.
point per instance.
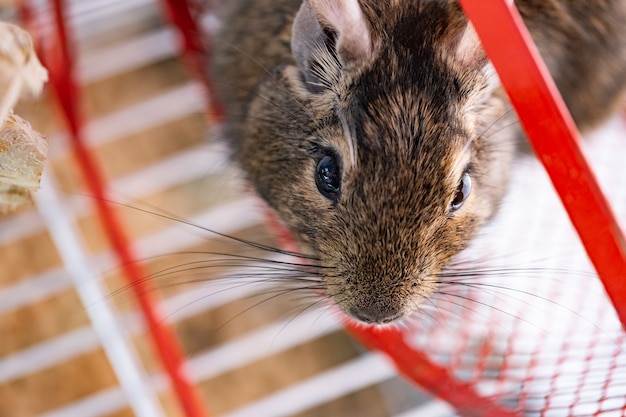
(375, 315)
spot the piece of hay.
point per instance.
(22, 156)
(22, 150)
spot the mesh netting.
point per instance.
(524, 319)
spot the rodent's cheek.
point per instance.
(304, 210)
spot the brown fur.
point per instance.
(422, 114)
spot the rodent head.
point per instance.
(376, 148)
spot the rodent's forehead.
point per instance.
(399, 129)
(439, 151)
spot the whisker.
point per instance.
(237, 256)
(493, 289)
(247, 309)
(295, 316)
(484, 304)
(211, 231)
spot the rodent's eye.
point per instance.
(462, 192)
(328, 177)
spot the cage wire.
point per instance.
(531, 331)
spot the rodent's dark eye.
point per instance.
(462, 192)
(328, 177)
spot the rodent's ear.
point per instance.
(341, 19)
(465, 48)
(466, 52)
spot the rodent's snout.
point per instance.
(377, 300)
(373, 314)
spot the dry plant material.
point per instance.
(22, 150)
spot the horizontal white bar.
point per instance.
(227, 218)
(34, 289)
(133, 53)
(175, 170)
(165, 107)
(46, 354)
(352, 376)
(79, 9)
(106, 16)
(267, 341)
(19, 226)
(96, 405)
(434, 408)
(86, 17)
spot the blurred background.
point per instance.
(542, 335)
